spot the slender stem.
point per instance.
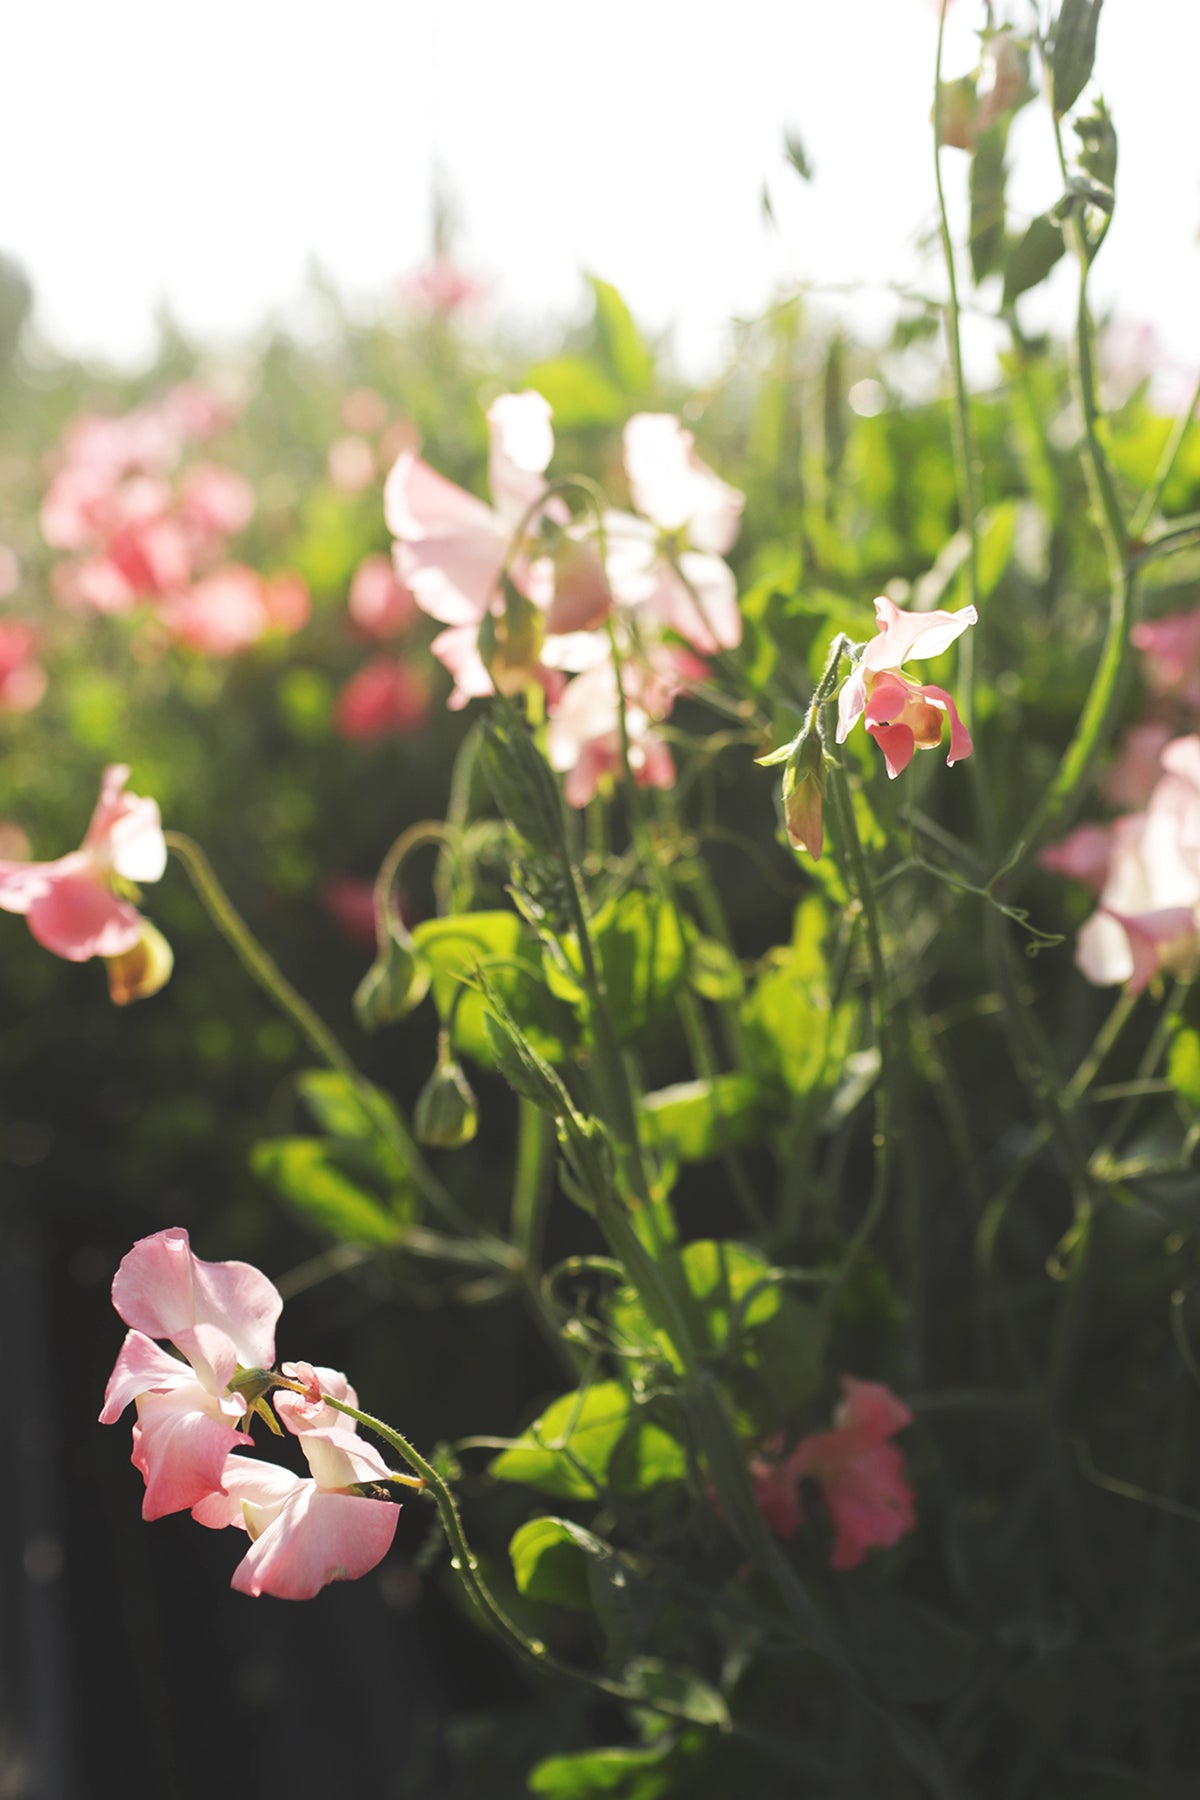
(1148, 505)
(383, 1117)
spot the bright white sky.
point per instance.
(202, 154)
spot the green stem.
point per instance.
(383, 1118)
(1148, 505)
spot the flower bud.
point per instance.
(803, 793)
(959, 113)
(446, 1115)
(396, 982)
(511, 643)
(142, 971)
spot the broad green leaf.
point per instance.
(697, 1119)
(305, 1172)
(511, 958)
(713, 969)
(336, 1105)
(650, 1773)
(549, 1562)
(1073, 52)
(1032, 257)
(682, 1688)
(988, 173)
(580, 394)
(998, 531)
(1183, 1066)
(642, 955)
(793, 1034)
(584, 1442)
(622, 349)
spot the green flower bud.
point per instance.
(142, 971)
(446, 1115)
(396, 982)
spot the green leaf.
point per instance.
(682, 1688)
(305, 1172)
(336, 1105)
(1033, 256)
(511, 958)
(988, 174)
(665, 1768)
(713, 970)
(622, 349)
(580, 394)
(797, 156)
(549, 1562)
(1073, 52)
(998, 533)
(589, 1440)
(794, 1036)
(697, 1119)
(1183, 1066)
(643, 958)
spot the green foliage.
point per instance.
(589, 1441)
(1073, 51)
(642, 956)
(308, 1173)
(500, 946)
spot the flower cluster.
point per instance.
(859, 1469)
(82, 904)
(140, 527)
(1144, 866)
(528, 594)
(196, 1401)
(901, 714)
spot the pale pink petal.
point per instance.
(1083, 855)
(261, 1489)
(76, 917)
(522, 444)
(180, 1448)
(301, 1413)
(871, 1407)
(671, 485)
(1129, 780)
(904, 634)
(315, 1539)
(142, 1367)
(457, 649)
(216, 499)
(125, 832)
(380, 604)
(960, 738)
(384, 698)
(852, 702)
(450, 547)
(338, 1457)
(162, 1289)
(701, 603)
(21, 883)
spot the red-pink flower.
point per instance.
(75, 905)
(22, 678)
(225, 613)
(383, 699)
(221, 1317)
(901, 714)
(860, 1470)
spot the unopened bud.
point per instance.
(446, 1115)
(396, 982)
(958, 113)
(142, 971)
(803, 794)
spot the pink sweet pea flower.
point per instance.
(1084, 855)
(901, 714)
(584, 732)
(669, 564)
(22, 679)
(1131, 777)
(384, 699)
(306, 1533)
(1171, 647)
(861, 1471)
(74, 905)
(380, 604)
(221, 1317)
(1148, 919)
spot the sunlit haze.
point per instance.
(203, 159)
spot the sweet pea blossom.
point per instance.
(306, 1532)
(221, 1317)
(668, 564)
(385, 698)
(859, 1468)
(1148, 917)
(583, 738)
(901, 714)
(75, 905)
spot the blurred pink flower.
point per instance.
(584, 732)
(1171, 646)
(75, 906)
(10, 572)
(668, 565)
(1084, 855)
(1130, 779)
(901, 714)
(351, 464)
(364, 410)
(214, 501)
(22, 678)
(221, 1317)
(385, 697)
(859, 1468)
(380, 604)
(198, 412)
(350, 902)
(1148, 918)
(228, 611)
(306, 1533)
(441, 288)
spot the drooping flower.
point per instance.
(903, 715)
(221, 1317)
(860, 1470)
(75, 906)
(334, 1525)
